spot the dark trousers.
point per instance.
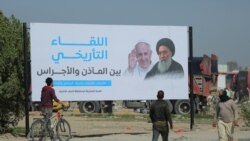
(164, 134)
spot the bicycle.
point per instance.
(40, 129)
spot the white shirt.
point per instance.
(138, 71)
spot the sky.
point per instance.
(219, 27)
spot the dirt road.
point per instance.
(111, 128)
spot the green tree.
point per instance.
(11, 72)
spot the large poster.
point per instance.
(109, 62)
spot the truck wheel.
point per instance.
(134, 104)
(89, 107)
(170, 106)
(183, 107)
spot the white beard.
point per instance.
(163, 66)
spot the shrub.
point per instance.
(245, 112)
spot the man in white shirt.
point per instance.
(139, 60)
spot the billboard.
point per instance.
(109, 62)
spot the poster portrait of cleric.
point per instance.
(166, 67)
(139, 60)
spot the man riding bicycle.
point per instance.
(47, 97)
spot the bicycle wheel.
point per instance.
(37, 130)
(63, 130)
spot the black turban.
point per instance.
(166, 42)
(224, 97)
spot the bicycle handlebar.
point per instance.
(61, 105)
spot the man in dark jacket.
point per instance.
(160, 117)
(166, 66)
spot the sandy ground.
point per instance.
(104, 129)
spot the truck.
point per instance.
(239, 83)
(205, 76)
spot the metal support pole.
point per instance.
(25, 79)
(190, 31)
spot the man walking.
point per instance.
(225, 117)
(160, 117)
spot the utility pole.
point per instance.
(25, 79)
(190, 66)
